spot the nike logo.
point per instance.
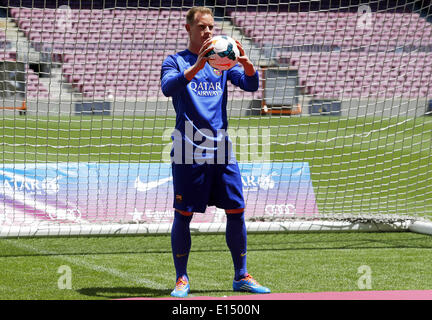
(243, 254)
(146, 186)
(178, 255)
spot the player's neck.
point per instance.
(193, 48)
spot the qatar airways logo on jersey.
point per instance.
(205, 88)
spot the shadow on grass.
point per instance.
(136, 292)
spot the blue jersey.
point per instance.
(200, 104)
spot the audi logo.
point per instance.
(280, 209)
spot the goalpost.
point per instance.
(337, 138)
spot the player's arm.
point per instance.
(244, 61)
(191, 72)
(172, 80)
(246, 78)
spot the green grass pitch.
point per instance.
(128, 267)
(369, 164)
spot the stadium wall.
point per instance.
(378, 107)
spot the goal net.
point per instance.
(337, 137)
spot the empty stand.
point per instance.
(118, 53)
(109, 53)
(340, 55)
(34, 88)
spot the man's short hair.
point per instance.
(190, 16)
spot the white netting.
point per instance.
(338, 130)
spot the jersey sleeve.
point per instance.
(238, 78)
(172, 78)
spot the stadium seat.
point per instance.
(34, 88)
(107, 31)
(388, 31)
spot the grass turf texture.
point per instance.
(121, 267)
(358, 165)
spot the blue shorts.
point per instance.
(197, 186)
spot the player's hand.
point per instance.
(202, 59)
(244, 60)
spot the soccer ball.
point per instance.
(224, 54)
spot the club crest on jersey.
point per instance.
(217, 72)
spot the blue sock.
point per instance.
(181, 243)
(236, 240)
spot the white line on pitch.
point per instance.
(95, 267)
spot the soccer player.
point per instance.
(205, 172)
